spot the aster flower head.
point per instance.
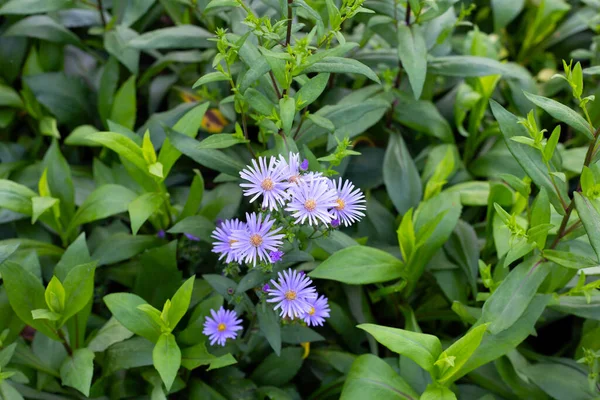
(291, 168)
(257, 240)
(223, 244)
(349, 204)
(319, 310)
(222, 325)
(276, 256)
(292, 292)
(312, 201)
(267, 180)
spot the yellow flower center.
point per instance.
(221, 327)
(290, 295)
(232, 241)
(341, 204)
(267, 184)
(310, 205)
(256, 240)
(311, 311)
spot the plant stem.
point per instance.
(300, 124)
(245, 129)
(62, 337)
(274, 84)
(563, 225)
(288, 36)
(101, 10)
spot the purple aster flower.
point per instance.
(291, 167)
(349, 203)
(257, 240)
(275, 256)
(293, 293)
(223, 325)
(312, 200)
(270, 181)
(319, 310)
(191, 237)
(224, 241)
(335, 223)
(304, 165)
(161, 234)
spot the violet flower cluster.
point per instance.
(306, 197)
(295, 298)
(285, 185)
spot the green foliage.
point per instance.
(471, 128)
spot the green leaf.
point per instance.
(551, 144)
(422, 116)
(590, 217)
(141, 208)
(560, 381)
(505, 12)
(77, 370)
(166, 358)
(45, 314)
(6, 250)
(194, 197)
(569, 259)
(462, 350)
(124, 307)
(259, 101)
(511, 298)
(39, 205)
(180, 37)
(322, 122)
(400, 176)
(9, 97)
(195, 356)
(27, 7)
(210, 77)
(312, 89)
(530, 159)
(42, 27)
(371, 376)
(278, 370)
(221, 141)
(359, 265)
(111, 332)
(197, 225)
(55, 295)
(48, 127)
(124, 104)
(132, 353)
(287, 111)
(269, 325)
(494, 346)
(210, 158)
(66, 97)
(16, 197)
(25, 293)
(342, 65)
(437, 392)
(116, 44)
(540, 216)
(122, 246)
(421, 348)
(79, 288)
(117, 142)
(181, 302)
(561, 113)
(412, 51)
(105, 201)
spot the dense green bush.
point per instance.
(462, 265)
